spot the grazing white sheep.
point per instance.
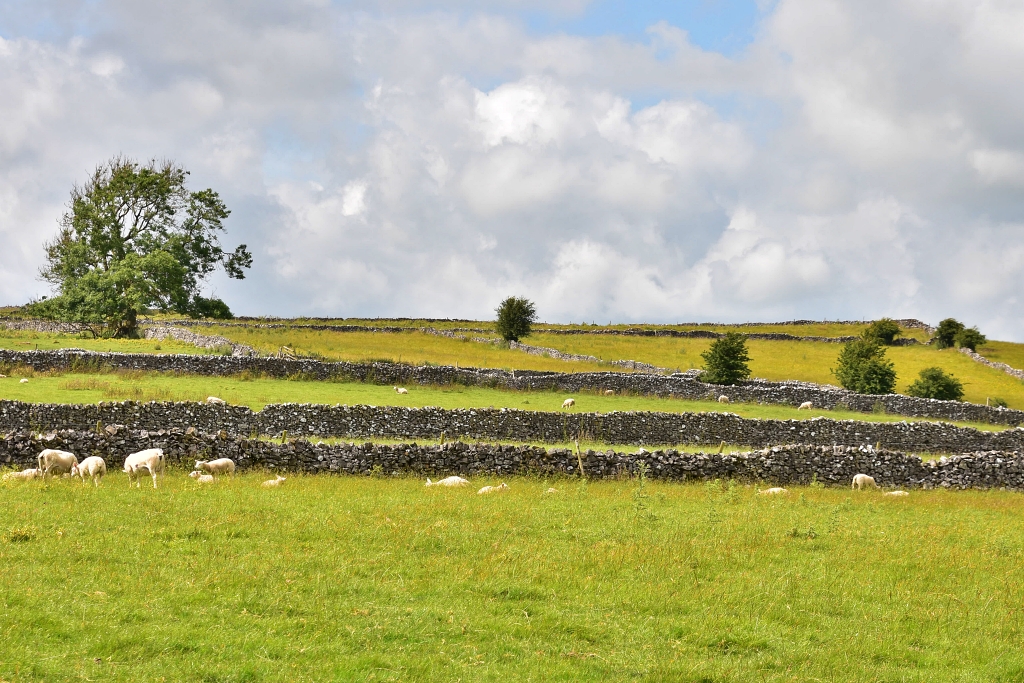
(24, 475)
(273, 483)
(201, 478)
(861, 481)
(23, 380)
(52, 462)
(401, 390)
(493, 489)
(896, 494)
(609, 392)
(723, 399)
(568, 403)
(806, 405)
(93, 466)
(151, 460)
(218, 466)
(448, 481)
(213, 400)
(774, 491)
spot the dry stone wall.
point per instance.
(1008, 369)
(786, 465)
(680, 385)
(640, 428)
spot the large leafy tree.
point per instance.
(516, 316)
(136, 238)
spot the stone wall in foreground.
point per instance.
(680, 385)
(797, 464)
(395, 422)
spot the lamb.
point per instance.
(201, 478)
(448, 481)
(401, 390)
(24, 475)
(93, 466)
(52, 462)
(568, 403)
(896, 494)
(723, 399)
(213, 400)
(861, 481)
(273, 483)
(151, 460)
(492, 489)
(774, 491)
(23, 380)
(218, 466)
(806, 405)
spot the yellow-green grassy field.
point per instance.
(23, 340)
(358, 579)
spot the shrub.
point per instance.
(945, 335)
(999, 403)
(725, 361)
(934, 383)
(863, 367)
(883, 331)
(516, 315)
(970, 338)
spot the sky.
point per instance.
(658, 161)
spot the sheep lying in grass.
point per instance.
(493, 489)
(213, 400)
(609, 392)
(774, 491)
(93, 466)
(448, 481)
(23, 380)
(24, 475)
(896, 494)
(723, 399)
(218, 466)
(273, 483)
(568, 403)
(151, 460)
(551, 490)
(201, 478)
(806, 405)
(861, 481)
(52, 461)
(401, 390)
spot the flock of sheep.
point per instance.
(860, 482)
(52, 462)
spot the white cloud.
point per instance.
(406, 157)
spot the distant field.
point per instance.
(29, 341)
(138, 386)
(807, 361)
(354, 578)
(1004, 352)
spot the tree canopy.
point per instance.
(863, 367)
(516, 316)
(725, 361)
(934, 383)
(134, 238)
(883, 331)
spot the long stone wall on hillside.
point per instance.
(784, 465)
(680, 385)
(638, 428)
(1008, 369)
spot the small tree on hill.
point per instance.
(863, 367)
(970, 338)
(516, 316)
(134, 238)
(883, 331)
(945, 334)
(725, 361)
(934, 383)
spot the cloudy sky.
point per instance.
(659, 161)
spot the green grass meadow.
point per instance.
(256, 393)
(354, 579)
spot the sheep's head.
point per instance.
(196, 474)
(200, 463)
(75, 471)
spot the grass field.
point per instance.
(807, 361)
(20, 340)
(256, 393)
(355, 579)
